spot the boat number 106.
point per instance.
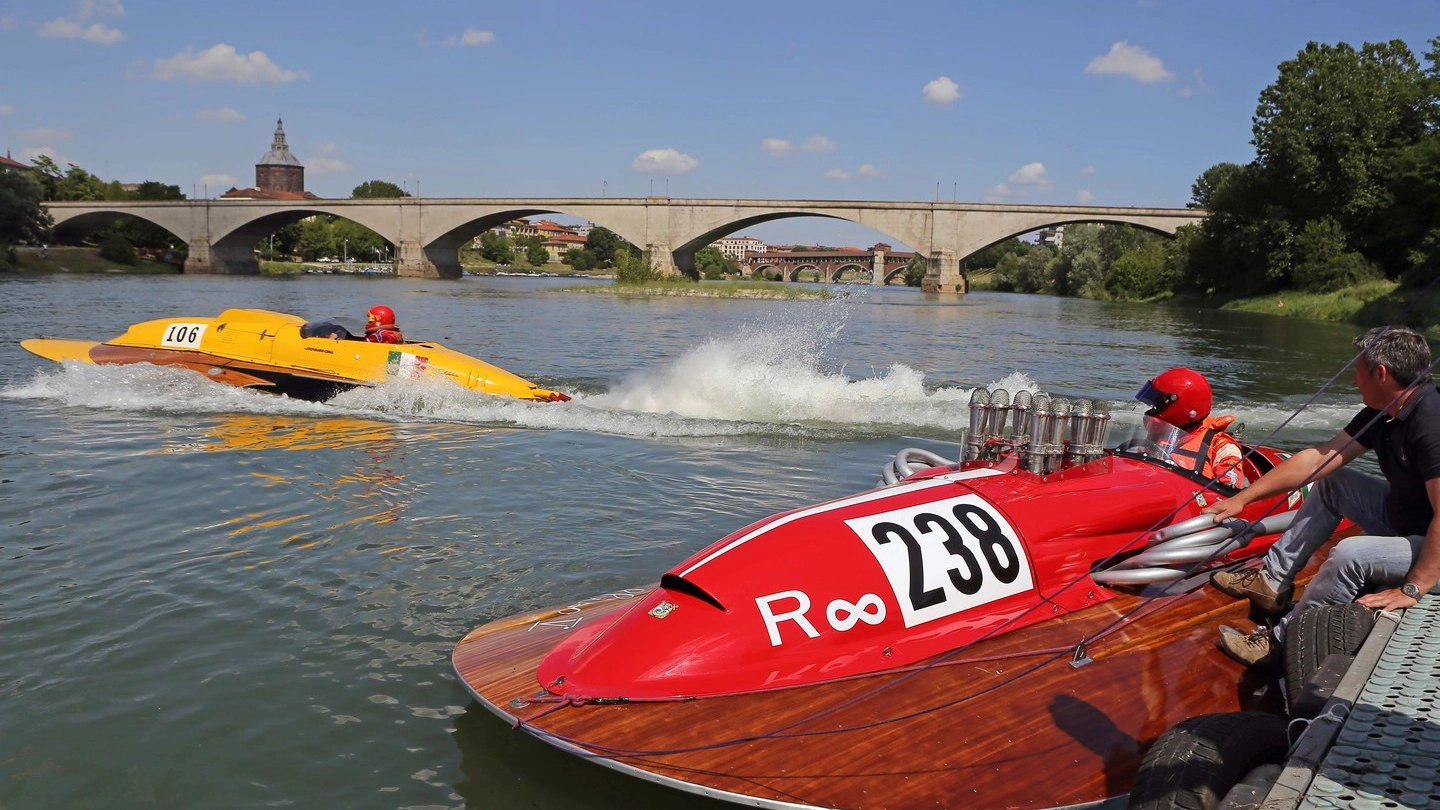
(183, 335)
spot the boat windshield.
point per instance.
(1153, 439)
(336, 328)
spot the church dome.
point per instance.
(279, 154)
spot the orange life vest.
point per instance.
(1198, 449)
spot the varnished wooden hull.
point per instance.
(1006, 723)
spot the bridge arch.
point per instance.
(672, 229)
(78, 224)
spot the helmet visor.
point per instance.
(1154, 397)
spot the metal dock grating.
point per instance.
(1387, 752)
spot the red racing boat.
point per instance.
(1009, 631)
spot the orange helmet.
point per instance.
(381, 316)
(1180, 396)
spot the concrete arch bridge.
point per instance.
(428, 232)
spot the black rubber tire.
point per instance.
(1193, 765)
(1317, 633)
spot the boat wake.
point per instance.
(771, 378)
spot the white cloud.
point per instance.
(1084, 196)
(472, 37)
(222, 115)
(1125, 59)
(869, 172)
(1031, 174)
(837, 174)
(1023, 182)
(8, 22)
(664, 161)
(941, 92)
(75, 27)
(224, 64)
(1087, 171)
(777, 147)
(69, 29)
(1200, 85)
(43, 135)
(325, 162)
(223, 182)
(818, 144)
(998, 193)
(29, 153)
(780, 147)
(6, 109)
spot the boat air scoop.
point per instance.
(679, 584)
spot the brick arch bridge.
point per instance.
(428, 232)
(879, 262)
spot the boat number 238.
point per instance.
(183, 335)
(945, 556)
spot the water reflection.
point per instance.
(259, 432)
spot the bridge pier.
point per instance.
(222, 259)
(662, 260)
(942, 273)
(412, 260)
(877, 267)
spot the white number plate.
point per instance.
(946, 556)
(184, 335)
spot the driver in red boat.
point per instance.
(1179, 401)
(380, 326)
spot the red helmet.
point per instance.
(1180, 396)
(380, 316)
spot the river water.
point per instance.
(216, 598)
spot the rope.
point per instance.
(1146, 605)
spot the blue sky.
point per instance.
(1105, 102)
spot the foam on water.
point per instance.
(773, 377)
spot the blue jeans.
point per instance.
(1357, 564)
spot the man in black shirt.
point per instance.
(1400, 550)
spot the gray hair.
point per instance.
(1404, 351)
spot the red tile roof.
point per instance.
(258, 194)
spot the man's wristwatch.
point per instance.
(1411, 590)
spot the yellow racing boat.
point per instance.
(284, 354)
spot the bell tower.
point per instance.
(278, 170)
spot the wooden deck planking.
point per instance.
(1079, 731)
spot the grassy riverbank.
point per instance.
(61, 259)
(1373, 303)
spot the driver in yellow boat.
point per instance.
(380, 326)
(1179, 421)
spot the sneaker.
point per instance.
(1257, 649)
(1251, 584)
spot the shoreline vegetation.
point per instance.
(1372, 303)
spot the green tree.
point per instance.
(988, 258)
(1213, 184)
(535, 252)
(631, 268)
(603, 243)
(915, 270)
(496, 247)
(78, 184)
(580, 259)
(22, 218)
(711, 264)
(1329, 124)
(116, 248)
(377, 189)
